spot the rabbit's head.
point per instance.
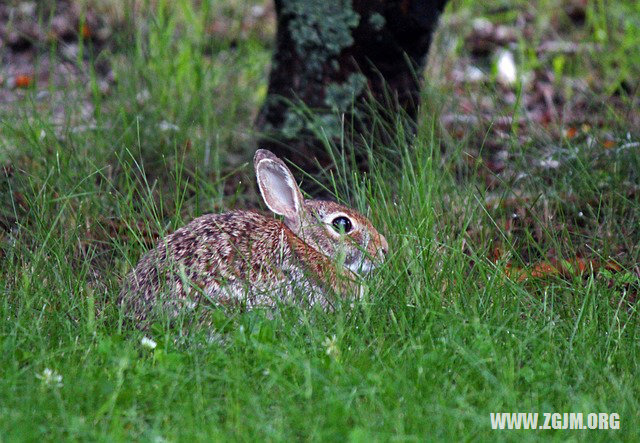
(338, 232)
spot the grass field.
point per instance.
(504, 291)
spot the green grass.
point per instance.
(443, 338)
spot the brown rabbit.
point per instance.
(246, 257)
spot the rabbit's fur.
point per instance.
(246, 257)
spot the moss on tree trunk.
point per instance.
(328, 54)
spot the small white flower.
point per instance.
(166, 126)
(549, 163)
(27, 8)
(43, 134)
(506, 67)
(148, 343)
(473, 74)
(50, 377)
(331, 345)
(257, 11)
(143, 96)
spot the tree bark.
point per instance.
(330, 56)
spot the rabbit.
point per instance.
(248, 258)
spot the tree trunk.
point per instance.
(329, 54)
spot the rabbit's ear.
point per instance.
(278, 187)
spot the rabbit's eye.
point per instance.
(342, 224)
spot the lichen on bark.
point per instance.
(330, 57)
(320, 29)
(341, 96)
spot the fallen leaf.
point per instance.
(612, 266)
(85, 31)
(541, 270)
(23, 81)
(554, 267)
(575, 266)
(570, 132)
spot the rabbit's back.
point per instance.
(235, 257)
